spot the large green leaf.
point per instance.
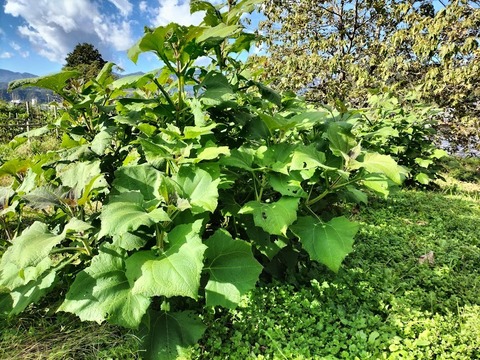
(307, 158)
(82, 175)
(274, 218)
(378, 183)
(12, 276)
(19, 298)
(144, 178)
(276, 157)
(32, 246)
(217, 89)
(288, 185)
(218, 33)
(328, 243)
(175, 271)
(198, 187)
(381, 164)
(232, 269)
(127, 212)
(169, 334)
(55, 82)
(133, 81)
(240, 158)
(44, 197)
(102, 292)
(340, 138)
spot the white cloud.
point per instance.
(175, 11)
(124, 6)
(54, 27)
(143, 6)
(19, 50)
(15, 46)
(6, 55)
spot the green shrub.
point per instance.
(406, 130)
(173, 190)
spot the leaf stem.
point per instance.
(69, 248)
(159, 234)
(164, 92)
(87, 247)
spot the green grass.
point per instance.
(383, 304)
(36, 336)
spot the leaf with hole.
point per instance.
(274, 218)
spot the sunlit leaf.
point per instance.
(328, 243)
(274, 218)
(102, 292)
(173, 272)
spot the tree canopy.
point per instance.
(339, 49)
(85, 58)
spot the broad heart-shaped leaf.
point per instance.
(241, 158)
(144, 178)
(211, 152)
(340, 138)
(102, 292)
(268, 93)
(45, 196)
(217, 89)
(127, 212)
(381, 164)
(289, 185)
(262, 241)
(32, 246)
(78, 176)
(19, 298)
(274, 218)
(307, 159)
(168, 334)
(198, 187)
(328, 243)
(276, 157)
(217, 33)
(176, 271)
(378, 183)
(232, 270)
(12, 276)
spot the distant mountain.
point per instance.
(6, 76)
(25, 94)
(29, 93)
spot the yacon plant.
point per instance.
(173, 189)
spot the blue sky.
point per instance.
(36, 35)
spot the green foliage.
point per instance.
(86, 60)
(335, 50)
(382, 304)
(406, 131)
(463, 169)
(159, 197)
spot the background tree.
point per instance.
(338, 50)
(86, 59)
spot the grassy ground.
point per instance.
(410, 290)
